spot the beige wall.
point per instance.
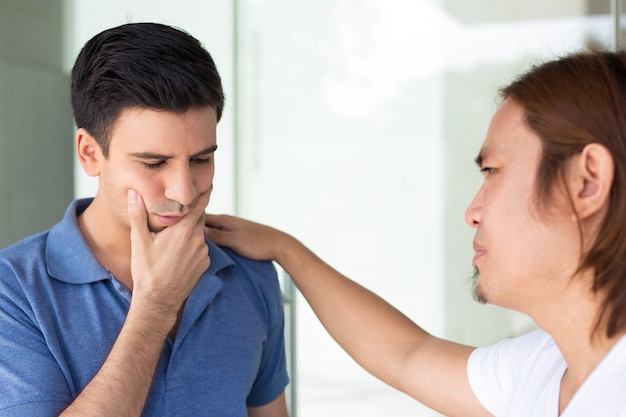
(35, 118)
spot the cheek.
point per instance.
(513, 237)
(203, 178)
(147, 184)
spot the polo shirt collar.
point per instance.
(70, 260)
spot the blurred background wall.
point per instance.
(36, 175)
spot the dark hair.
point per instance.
(569, 103)
(144, 65)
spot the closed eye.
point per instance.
(201, 160)
(153, 165)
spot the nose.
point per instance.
(473, 212)
(180, 186)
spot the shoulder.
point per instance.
(516, 351)
(62, 237)
(519, 367)
(257, 280)
(529, 342)
(226, 261)
(22, 258)
(22, 268)
(38, 256)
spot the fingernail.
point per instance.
(132, 196)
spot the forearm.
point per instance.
(121, 386)
(372, 331)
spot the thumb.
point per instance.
(137, 215)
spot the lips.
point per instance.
(167, 220)
(478, 252)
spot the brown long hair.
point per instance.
(569, 103)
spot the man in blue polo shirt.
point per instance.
(123, 308)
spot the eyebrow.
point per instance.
(150, 155)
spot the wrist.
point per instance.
(287, 250)
(151, 318)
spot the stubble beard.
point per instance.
(477, 292)
(169, 207)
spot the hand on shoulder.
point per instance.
(250, 239)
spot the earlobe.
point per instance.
(594, 171)
(88, 152)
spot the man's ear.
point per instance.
(88, 152)
(591, 178)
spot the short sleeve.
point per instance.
(272, 377)
(495, 372)
(32, 382)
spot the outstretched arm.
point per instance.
(380, 338)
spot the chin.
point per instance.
(155, 229)
(477, 292)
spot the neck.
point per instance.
(571, 320)
(108, 241)
(582, 359)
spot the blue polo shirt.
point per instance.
(61, 311)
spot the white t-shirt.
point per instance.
(521, 377)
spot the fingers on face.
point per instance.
(136, 210)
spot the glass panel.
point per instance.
(358, 125)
